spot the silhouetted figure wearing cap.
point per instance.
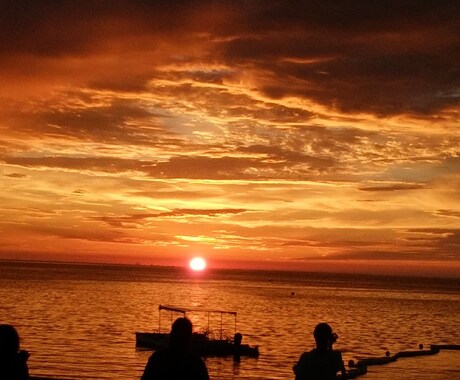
(321, 363)
(177, 362)
(13, 362)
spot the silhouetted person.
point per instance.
(177, 362)
(237, 338)
(321, 363)
(13, 362)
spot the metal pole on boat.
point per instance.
(207, 331)
(220, 326)
(235, 323)
(159, 319)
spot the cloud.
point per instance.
(420, 245)
(16, 175)
(376, 254)
(351, 56)
(34, 212)
(449, 213)
(394, 187)
(142, 218)
(193, 167)
(348, 56)
(88, 118)
(108, 164)
(61, 232)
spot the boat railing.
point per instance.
(217, 334)
(222, 334)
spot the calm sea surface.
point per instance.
(78, 321)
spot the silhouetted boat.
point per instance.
(206, 343)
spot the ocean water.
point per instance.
(78, 321)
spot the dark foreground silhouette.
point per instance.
(13, 362)
(323, 362)
(177, 362)
(360, 368)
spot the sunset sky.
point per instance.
(313, 135)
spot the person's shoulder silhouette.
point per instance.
(177, 362)
(322, 362)
(13, 362)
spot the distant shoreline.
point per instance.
(241, 270)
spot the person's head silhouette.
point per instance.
(324, 336)
(178, 361)
(237, 338)
(13, 362)
(181, 334)
(9, 340)
(323, 362)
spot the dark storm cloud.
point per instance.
(382, 57)
(386, 57)
(55, 28)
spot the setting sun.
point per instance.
(197, 264)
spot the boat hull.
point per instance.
(200, 344)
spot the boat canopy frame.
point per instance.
(185, 310)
